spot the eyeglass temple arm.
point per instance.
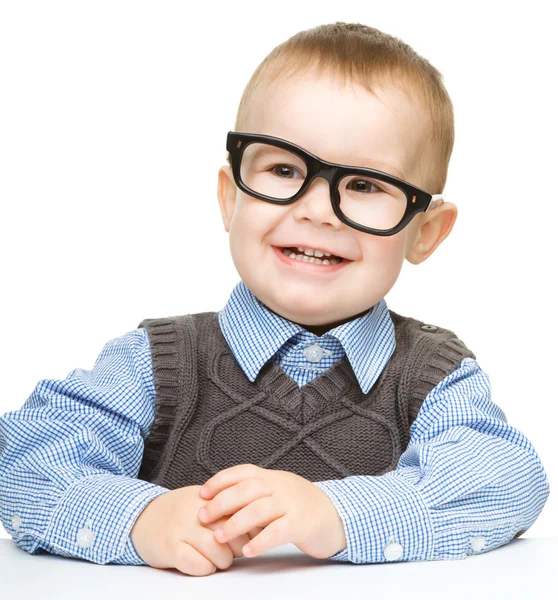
(435, 201)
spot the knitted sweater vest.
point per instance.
(209, 416)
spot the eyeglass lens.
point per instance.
(278, 173)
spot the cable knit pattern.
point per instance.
(210, 416)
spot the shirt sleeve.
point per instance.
(467, 483)
(70, 456)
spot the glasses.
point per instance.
(278, 171)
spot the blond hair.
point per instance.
(370, 58)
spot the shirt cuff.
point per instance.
(130, 555)
(384, 517)
(94, 518)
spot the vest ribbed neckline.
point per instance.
(273, 381)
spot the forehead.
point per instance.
(344, 124)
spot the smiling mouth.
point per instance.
(296, 254)
(309, 264)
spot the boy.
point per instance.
(311, 412)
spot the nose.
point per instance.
(315, 204)
(319, 181)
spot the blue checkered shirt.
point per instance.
(467, 482)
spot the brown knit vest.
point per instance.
(210, 416)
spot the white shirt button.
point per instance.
(393, 551)
(478, 543)
(16, 522)
(314, 353)
(85, 538)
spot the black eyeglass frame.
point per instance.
(418, 200)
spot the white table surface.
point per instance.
(524, 568)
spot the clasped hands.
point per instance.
(291, 509)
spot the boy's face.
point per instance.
(345, 125)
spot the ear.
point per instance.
(226, 194)
(434, 228)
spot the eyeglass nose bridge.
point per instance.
(321, 168)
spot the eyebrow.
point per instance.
(372, 163)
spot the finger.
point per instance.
(232, 499)
(228, 477)
(237, 543)
(191, 562)
(275, 534)
(258, 513)
(254, 532)
(219, 553)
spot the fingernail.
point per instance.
(203, 514)
(203, 490)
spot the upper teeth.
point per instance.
(311, 252)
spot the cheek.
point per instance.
(251, 222)
(386, 251)
(382, 262)
(242, 248)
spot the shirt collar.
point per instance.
(255, 334)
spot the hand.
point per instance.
(289, 507)
(168, 533)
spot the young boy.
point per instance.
(312, 413)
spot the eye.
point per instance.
(364, 185)
(282, 171)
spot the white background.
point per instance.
(113, 121)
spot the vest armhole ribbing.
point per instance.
(443, 357)
(163, 339)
